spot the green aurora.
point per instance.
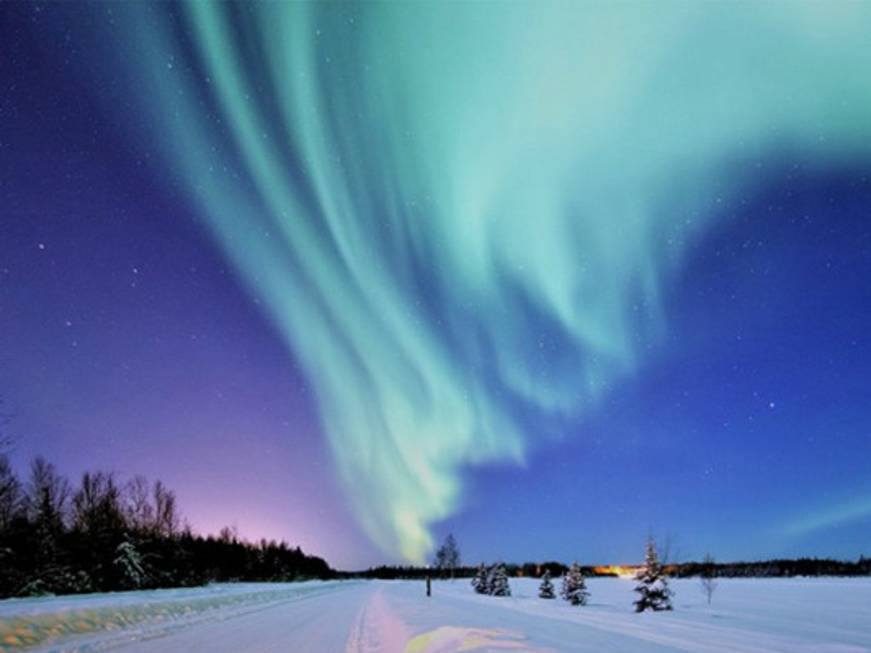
(430, 199)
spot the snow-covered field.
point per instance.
(794, 615)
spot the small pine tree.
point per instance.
(497, 581)
(479, 582)
(129, 566)
(574, 589)
(488, 581)
(546, 590)
(652, 583)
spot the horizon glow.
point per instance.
(455, 216)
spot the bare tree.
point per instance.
(97, 505)
(228, 535)
(166, 517)
(10, 493)
(707, 577)
(11, 500)
(669, 551)
(5, 439)
(47, 493)
(447, 557)
(137, 505)
(46, 506)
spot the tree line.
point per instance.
(763, 568)
(105, 535)
(781, 567)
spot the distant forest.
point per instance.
(765, 568)
(103, 535)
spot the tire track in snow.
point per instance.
(377, 629)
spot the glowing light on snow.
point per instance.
(457, 638)
(456, 214)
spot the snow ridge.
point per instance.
(377, 629)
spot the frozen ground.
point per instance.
(754, 615)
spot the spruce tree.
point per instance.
(479, 582)
(574, 588)
(129, 566)
(498, 581)
(653, 590)
(546, 590)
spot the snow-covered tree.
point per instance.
(546, 589)
(497, 581)
(479, 582)
(129, 566)
(574, 588)
(653, 590)
(57, 579)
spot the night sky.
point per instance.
(549, 277)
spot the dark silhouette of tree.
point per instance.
(5, 438)
(46, 504)
(98, 527)
(447, 557)
(10, 494)
(166, 518)
(105, 536)
(138, 510)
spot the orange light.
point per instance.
(621, 571)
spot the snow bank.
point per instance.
(29, 622)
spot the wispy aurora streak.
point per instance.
(458, 214)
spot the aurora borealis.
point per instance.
(477, 228)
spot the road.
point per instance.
(753, 615)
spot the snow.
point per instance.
(756, 615)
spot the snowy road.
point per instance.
(758, 616)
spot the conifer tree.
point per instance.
(546, 589)
(479, 582)
(498, 581)
(574, 588)
(129, 566)
(653, 590)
